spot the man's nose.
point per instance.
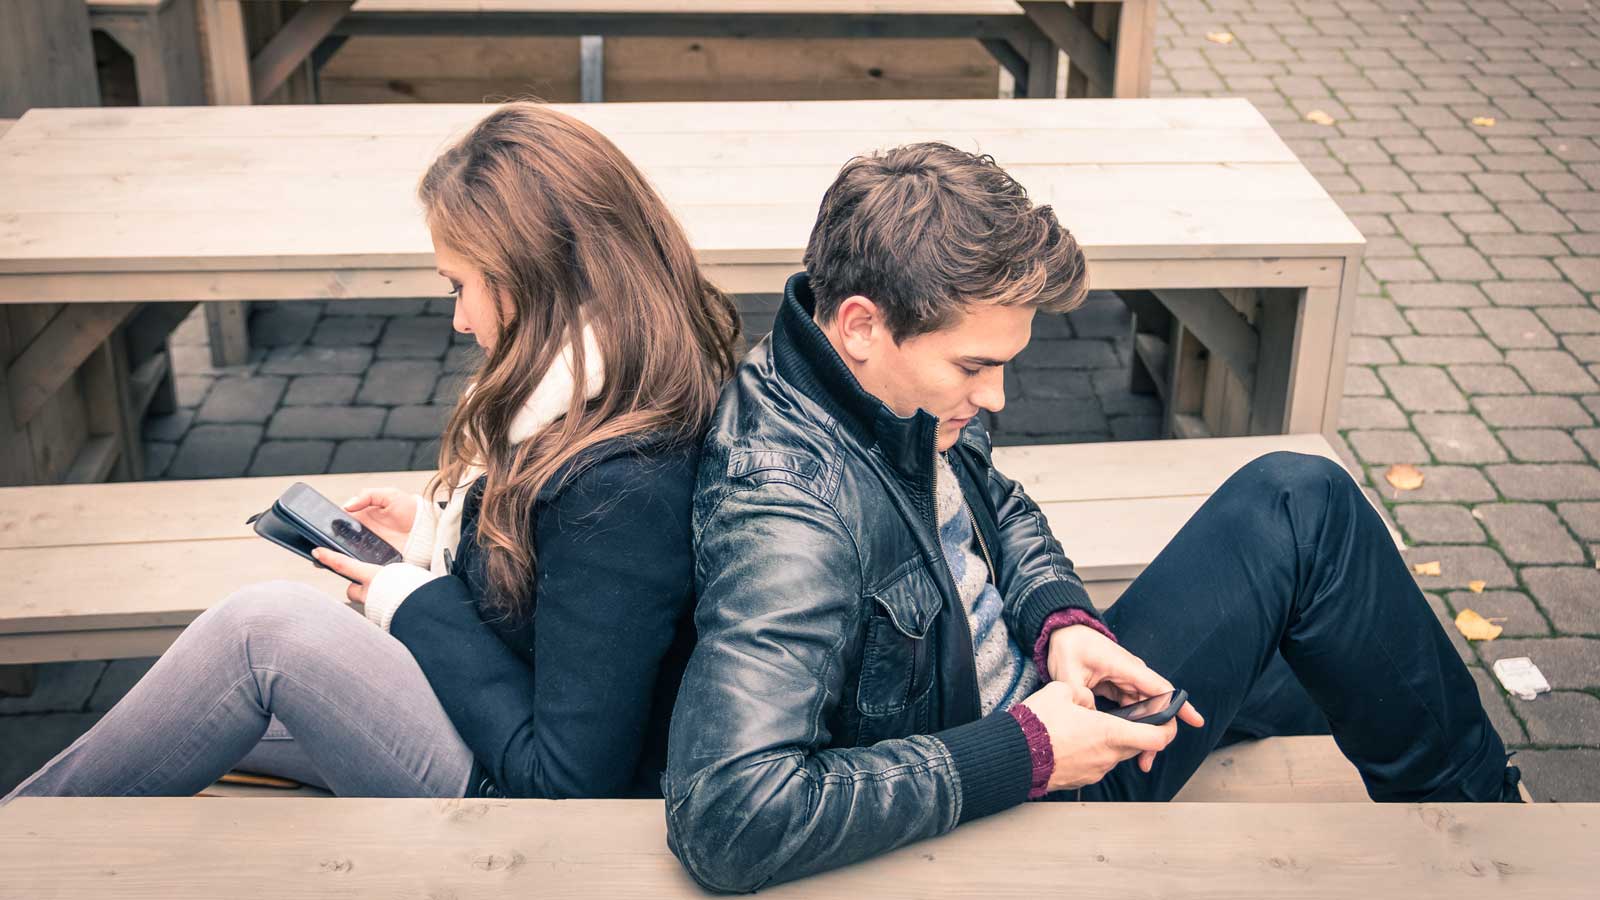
(991, 392)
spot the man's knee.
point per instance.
(1284, 472)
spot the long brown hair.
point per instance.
(567, 233)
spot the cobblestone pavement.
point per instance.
(1475, 356)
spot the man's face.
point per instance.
(951, 373)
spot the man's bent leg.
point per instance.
(1289, 556)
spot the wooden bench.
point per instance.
(173, 548)
(1193, 207)
(163, 39)
(182, 849)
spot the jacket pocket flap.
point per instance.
(745, 462)
(911, 599)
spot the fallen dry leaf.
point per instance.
(1319, 117)
(1484, 121)
(1404, 477)
(1477, 586)
(1219, 37)
(1427, 568)
(1474, 627)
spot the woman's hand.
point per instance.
(1091, 664)
(360, 573)
(387, 512)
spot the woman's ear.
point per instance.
(860, 328)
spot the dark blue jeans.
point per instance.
(1282, 607)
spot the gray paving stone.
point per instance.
(1516, 268)
(1370, 351)
(1388, 447)
(448, 389)
(371, 456)
(1513, 328)
(1459, 564)
(1548, 371)
(330, 422)
(33, 740)
(1441, 484)
(424, 337)
(241, 399)
(1531, 412)
(119, 678)
(1529, 533)
(317, 361)
(1583, 272)
(1561, 717)
(1480, 222)
(1399, 269)
(1060, 383)
(425, 456)
(283, 324)
(1445, 350)
(1436, 294)
(348, 331)
(1441, 321)
(1536, 217)
(416, 421)
(1520, 618)
(1488, 379)
(1359, 381)
(215, 451)
(1582, 517)
(1540, 445)
(1103, 315)
(1497, 706)
(1590, 439)
(377, 307)
(461, 358)
(191, 389)
(1442, 613)
(1426, 228)
(1378, 316)
(1070, 354)
(1546, 481)
(321, 390)
(292, 458)
(1422, 389)
(1533, 293)
(1586, 347)
(1561, 776)
(1135, 428)
(1568, 663)
(1457, 263)
(1370, 412)
(397, 382)
(1458, 438)
(158, 456)
(170, 427)
(57, 687)
(1569, 595)
(1438, 523)
(1024, 417)
(1503, 187)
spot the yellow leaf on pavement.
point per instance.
(1476, 586)
(1219, 37)
(1427, 568)
(1484, 121)
(1474, 627)
(1404, 477)
(1319, 117)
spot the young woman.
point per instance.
(532, 641)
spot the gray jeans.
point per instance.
(281, 679)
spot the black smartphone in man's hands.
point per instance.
(1158, 710)
(302, 519)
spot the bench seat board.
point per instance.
(183, 847)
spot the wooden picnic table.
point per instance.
(179, 848)
(1181, 198)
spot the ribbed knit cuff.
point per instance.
(390, 588)
(1062, 618)
(418, 550)
(992, 761)
(1041, 602)
(1044, 756)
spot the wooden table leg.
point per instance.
(228, 84)
(1132, 40)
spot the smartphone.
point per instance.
(1157, 710)
(326, 524)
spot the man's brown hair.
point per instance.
(925, 230)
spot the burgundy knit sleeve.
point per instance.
(1062, 618)
(1044, 758)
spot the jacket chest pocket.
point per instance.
(897, 655)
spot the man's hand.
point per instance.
(1086, 743)
(1090, 664)
(387, 512)
(360, 573)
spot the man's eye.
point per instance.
(971, 373)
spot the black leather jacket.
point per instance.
(830, 708)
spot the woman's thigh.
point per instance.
(277, 753)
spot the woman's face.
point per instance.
(477, 310)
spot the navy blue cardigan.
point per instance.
(575, 700)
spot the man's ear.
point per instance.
(859, 328)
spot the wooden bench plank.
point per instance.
(182, 847)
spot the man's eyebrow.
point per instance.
(983, 361)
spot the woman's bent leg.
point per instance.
(352, 696)
(1288, 557)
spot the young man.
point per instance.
(891, 642)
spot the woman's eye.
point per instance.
(455, 289)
